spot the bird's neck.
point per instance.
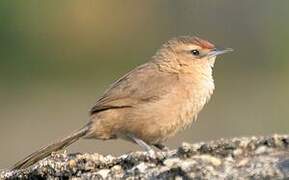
(166, 61)
(200, 76)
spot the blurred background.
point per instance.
(57, 57)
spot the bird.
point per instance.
(152, 102)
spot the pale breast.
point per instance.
(193, 98)
(197, 98)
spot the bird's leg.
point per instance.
(161, 147)
(143, 145)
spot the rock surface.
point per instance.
(237, 158)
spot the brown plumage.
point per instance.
(152, 102)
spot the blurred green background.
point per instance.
(57, 57)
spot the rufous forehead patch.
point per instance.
(190, 40)
(203, 43)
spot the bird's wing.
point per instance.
(144, 83)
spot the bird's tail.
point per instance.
(47, 150)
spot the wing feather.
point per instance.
(144, 83)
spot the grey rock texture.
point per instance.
(237, 158)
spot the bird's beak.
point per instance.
(218, 51)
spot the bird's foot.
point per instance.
(162, 147)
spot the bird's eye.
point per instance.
(195, 52)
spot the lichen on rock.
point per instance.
(245, 158)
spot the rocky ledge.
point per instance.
(237, 158)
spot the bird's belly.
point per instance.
(185, 113)
(190, 110)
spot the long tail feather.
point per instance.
(47, 150)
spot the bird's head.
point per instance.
(187, 54)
